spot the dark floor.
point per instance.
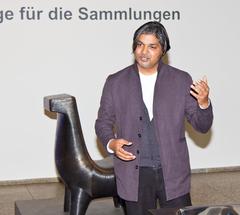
(207, 189)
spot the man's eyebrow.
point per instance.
(150, 44)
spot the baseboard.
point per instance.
(216, 169)
(56, 179)
(30, 181)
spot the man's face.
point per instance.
(148, 53)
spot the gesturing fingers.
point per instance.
(200, 91)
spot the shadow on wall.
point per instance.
(201, 140)
(165, 59)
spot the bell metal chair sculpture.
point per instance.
(84, 178)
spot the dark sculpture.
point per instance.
(84, 178)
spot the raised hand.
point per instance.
(200, 90)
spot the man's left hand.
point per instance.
(200, 91)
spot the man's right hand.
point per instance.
(117, 146)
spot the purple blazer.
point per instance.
(119, 116)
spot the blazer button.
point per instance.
(140, 118)
(136, 166)
(138, 152)
(139, 135)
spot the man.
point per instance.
(141, 120)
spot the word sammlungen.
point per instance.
(129, 14)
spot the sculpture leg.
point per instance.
(116, 201)
(67, 199)
(119, 202)
(79, 201)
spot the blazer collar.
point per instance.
(136, 88)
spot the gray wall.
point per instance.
(44, 57)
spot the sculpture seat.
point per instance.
(84, 178)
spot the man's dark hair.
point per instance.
(153, 28)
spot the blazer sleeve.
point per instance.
(106, 116)
(200, 119)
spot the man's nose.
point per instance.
(145, 49)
